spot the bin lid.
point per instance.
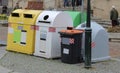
(74, 31)
(54, 19)
(83, 17)
(18, 11)
(96, 28)
(23, 16)
(76, 17)
(30, 16)
(16, 16)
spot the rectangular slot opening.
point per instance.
(44, 22)
(43, 39)
(42, 51)
(15, 14)
(28, 16)
(23, 43)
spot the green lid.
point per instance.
(84, 17)
(76, 17)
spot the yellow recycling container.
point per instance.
(21, 31)
(16, 16)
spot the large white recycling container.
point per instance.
(100, 43)
(49, 23)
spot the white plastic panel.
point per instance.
(54, 19)
(99, 43)
(47, 42)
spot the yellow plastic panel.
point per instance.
(27, 38)
(16, 16)
(30, 16)
(21, 33)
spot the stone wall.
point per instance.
(22, 3)
(102, 8)
(49, 4)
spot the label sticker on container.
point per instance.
(52, 29)
(65, 51)
(43, 35)
(71, 40)
(34, 27)
(20, 27)
(93, 44)
(65, 41)
(10, 30)
(23, 37)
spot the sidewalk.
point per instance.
(5, 70)
(11, 62)
(3, 52)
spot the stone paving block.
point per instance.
(4, 70)
(15, 72)
(2, 52)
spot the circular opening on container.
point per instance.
(46, 17)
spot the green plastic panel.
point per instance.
(77, 17)
(17, 36)
(83, 17)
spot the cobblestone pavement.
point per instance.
(114, 49)
(22, 63)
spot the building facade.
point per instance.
(3, 2)
(101, 8)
